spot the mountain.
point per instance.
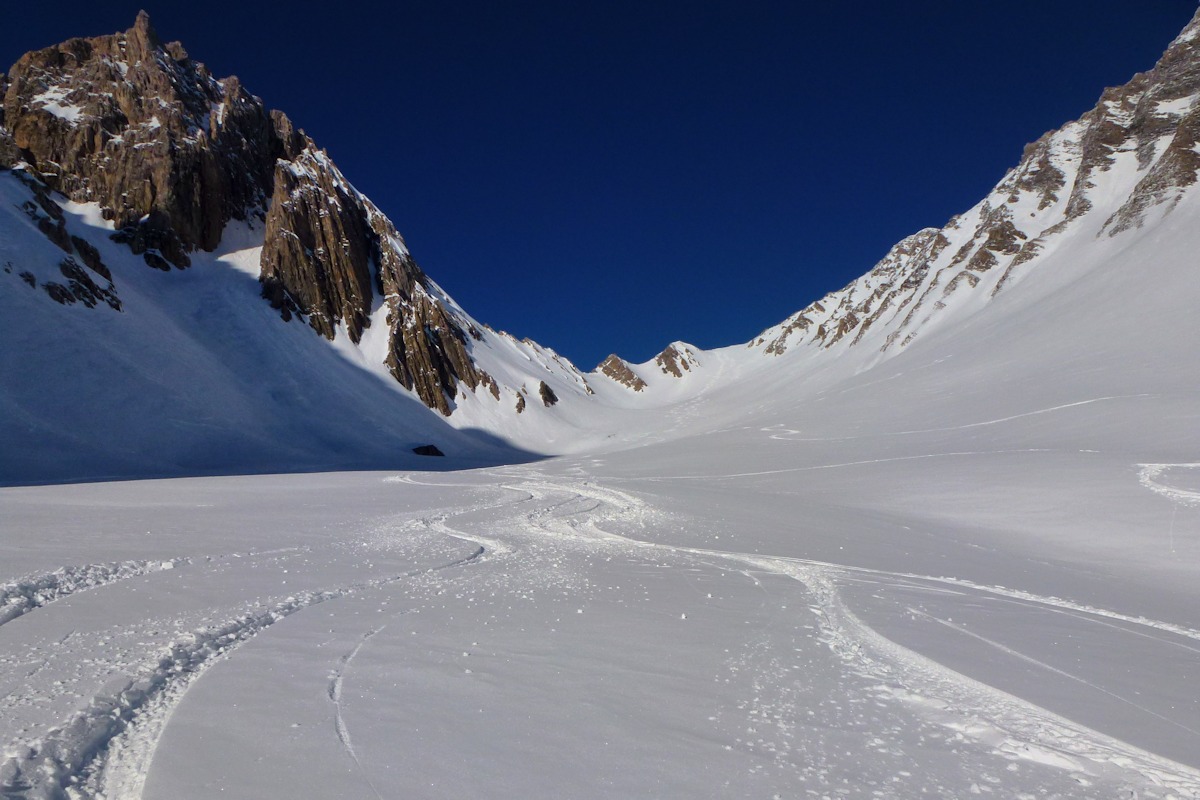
(191, 285)
(125, 157)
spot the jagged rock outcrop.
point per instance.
(169, 152)
(616, 368)
(330, 254)
(80, 287)
(50, 221)
(8, 148)
(1152, 123)
(9, 155)
(317, 255)
(171, 155)
(676, 359)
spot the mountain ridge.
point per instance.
(223, 169)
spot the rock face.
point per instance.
(171, 155)
(169, 152)
(616, 368)
(1149, 127)
(79, 285)
(676, 359)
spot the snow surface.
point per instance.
(51, 101)
(970, 569)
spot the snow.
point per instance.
(51, 101)
(1174, 107)
(228, 384)
(970, 568)
(590, 627)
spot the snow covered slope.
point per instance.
(176, 372)
(1084, 200)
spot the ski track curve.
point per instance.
(1149, 475)
(779, 433)
(23, 595)
(336, 681)
(30, 593)
(105, 749)
(1014, 727)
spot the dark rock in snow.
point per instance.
(428, 450)
(616, 368)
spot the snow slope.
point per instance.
(970, 568)
(195, 374)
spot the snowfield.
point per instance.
(1002, 604)
(970, 568)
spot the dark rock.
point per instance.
(617, 369)
(547, 394)
(520, 403)
(28, 277)
(46, 214)
(674, 361)
(149, 134)
(59, 293)
(55, 231)
(142, 237)
(9, 154)
(91, 257)
(428, 450)
(85, 290)
(156, 261)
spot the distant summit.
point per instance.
(1150, 128)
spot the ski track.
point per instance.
(23, 595)
(335, 696)
(1014, 727)
(1149, 474)
(1048, 667)
(789, 435)
(841, 464)
(105, 749)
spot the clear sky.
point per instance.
(611, 176)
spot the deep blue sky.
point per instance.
(611, 176)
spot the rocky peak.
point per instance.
(619, 370)
(141, 39)
(330, 256)
(170, 153)
(1151, 125)
(676, 359)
